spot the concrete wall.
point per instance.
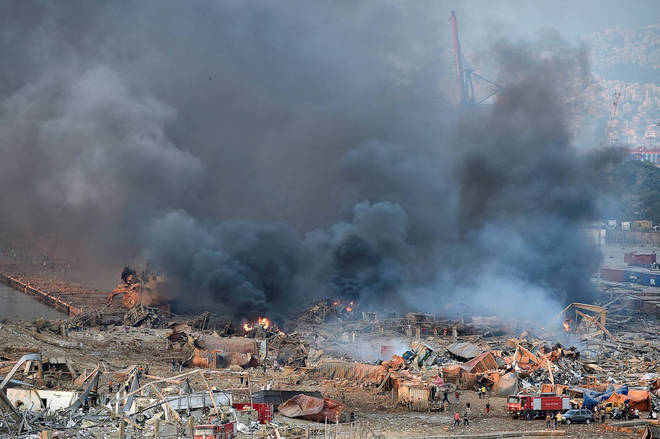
(55, 399)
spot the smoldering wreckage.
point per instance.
(194, 375)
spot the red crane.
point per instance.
(465, 74)
(459, 60)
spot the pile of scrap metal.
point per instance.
(213, 351)
(33, 407)
(313, 409)
(140, 315)
(324, 311)
(148, 289)
(290, 350)
(27, 408)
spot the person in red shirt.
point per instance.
(457, 419)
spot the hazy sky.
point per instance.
(571, 18)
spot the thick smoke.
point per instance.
(262, 157)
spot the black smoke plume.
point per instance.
(264, 156)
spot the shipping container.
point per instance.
(652, 280)
(613, 274)
(645, 260)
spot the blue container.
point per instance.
(638, 277)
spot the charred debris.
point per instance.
(62, 375)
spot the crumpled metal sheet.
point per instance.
(314, 409)
(465, 350)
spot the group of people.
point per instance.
(550, 417)
(481, 392)
(625, 413)
(467, 413)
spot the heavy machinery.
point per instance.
(466, 73)
(536, 406)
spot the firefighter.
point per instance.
(557, 419)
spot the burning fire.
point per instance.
(264, 322)
(567, 327)
(349, 309)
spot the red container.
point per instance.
(612, 274)
(264, 410)
(643, 260)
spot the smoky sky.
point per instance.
(266, 154)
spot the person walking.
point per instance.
(548, 418)
(602, 416)
(466, 419)
(445, 396)
(457, 396)
(457, 419)
(488, 408)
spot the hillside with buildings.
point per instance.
(626, 66)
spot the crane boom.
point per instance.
(459, 60)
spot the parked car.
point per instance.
(577, 415)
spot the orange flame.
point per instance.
(264, 322)
(567, 327)
(349, 309)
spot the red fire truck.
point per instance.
(536, 406)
